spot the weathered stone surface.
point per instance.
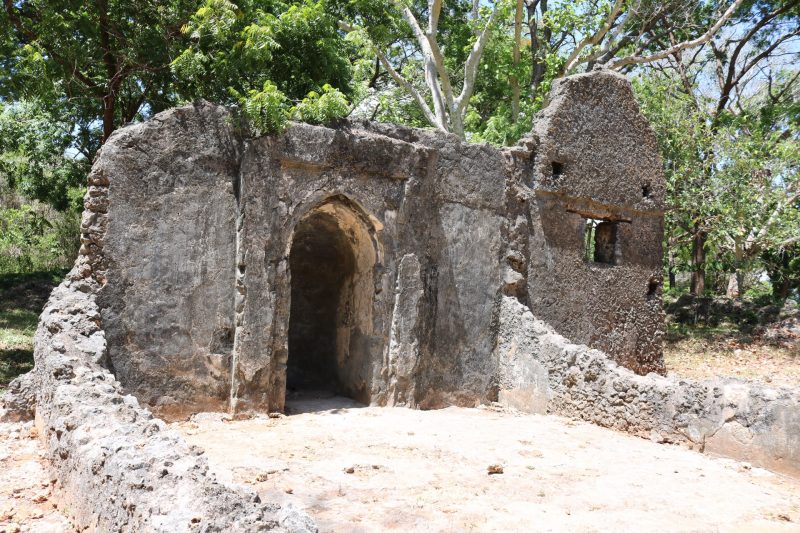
(218, 257)
(728, 417)
(119, 468)
(168, 246)
(18, 402)
(408, 206)
(609, 169)
(522, 376)
(403, 342)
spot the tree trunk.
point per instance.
(456, 124)
(670, 270)
(733, 285)
(112, 71)
(109, 105)
(538, 44)
(514, 80)
(432, 81)
(781, 289)
(736, 281)
(699, 261)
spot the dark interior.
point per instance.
(605, 243)
(322, 266)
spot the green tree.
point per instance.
(409, 43)
(267, 57)
(105, 62)
(33, 155)
(735, 179)
(41, 189)
(466, 29)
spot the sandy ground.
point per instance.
(26, 496)
(774, 366)
(355, 468)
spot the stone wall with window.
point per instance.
(596, 215)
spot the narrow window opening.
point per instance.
(652, 287)
(558, 169)
(590, 225)
(646, 190)
(600, 241)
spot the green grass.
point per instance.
(677, 331)
(17, 327)
(22, 297)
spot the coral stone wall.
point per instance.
(544, 372)
(426, 210)
(597, 159)
(168, 252)
(195, 231)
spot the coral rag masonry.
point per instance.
(391, 265)
(371, 259)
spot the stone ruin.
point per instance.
(392, 265)
(368, 258)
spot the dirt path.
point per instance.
(376, 469)
(26, 498)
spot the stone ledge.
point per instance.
(541, 371)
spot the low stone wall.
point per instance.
(541, 371)
(119, 468)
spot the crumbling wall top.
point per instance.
(594, 143)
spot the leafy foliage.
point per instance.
(98, 64)
(33, 160)
(738, 179)
(322, 108)
(33, 239)
(264, 56)
(266, 110)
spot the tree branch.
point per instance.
(411, 90)
(471, 66)
(28, 35)
(638, 60)
(434, 60)
(591, 40)
(434, 9)
(729, 81)
(401, 81)
(773, 218)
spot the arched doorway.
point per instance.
(331, 260)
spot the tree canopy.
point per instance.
(719, 81)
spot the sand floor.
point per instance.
(27, 502)
(355, 468)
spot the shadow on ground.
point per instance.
(755, 339)
(22, 297)
(318, 401)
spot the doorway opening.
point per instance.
(331, 261)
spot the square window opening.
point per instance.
(600, 241)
